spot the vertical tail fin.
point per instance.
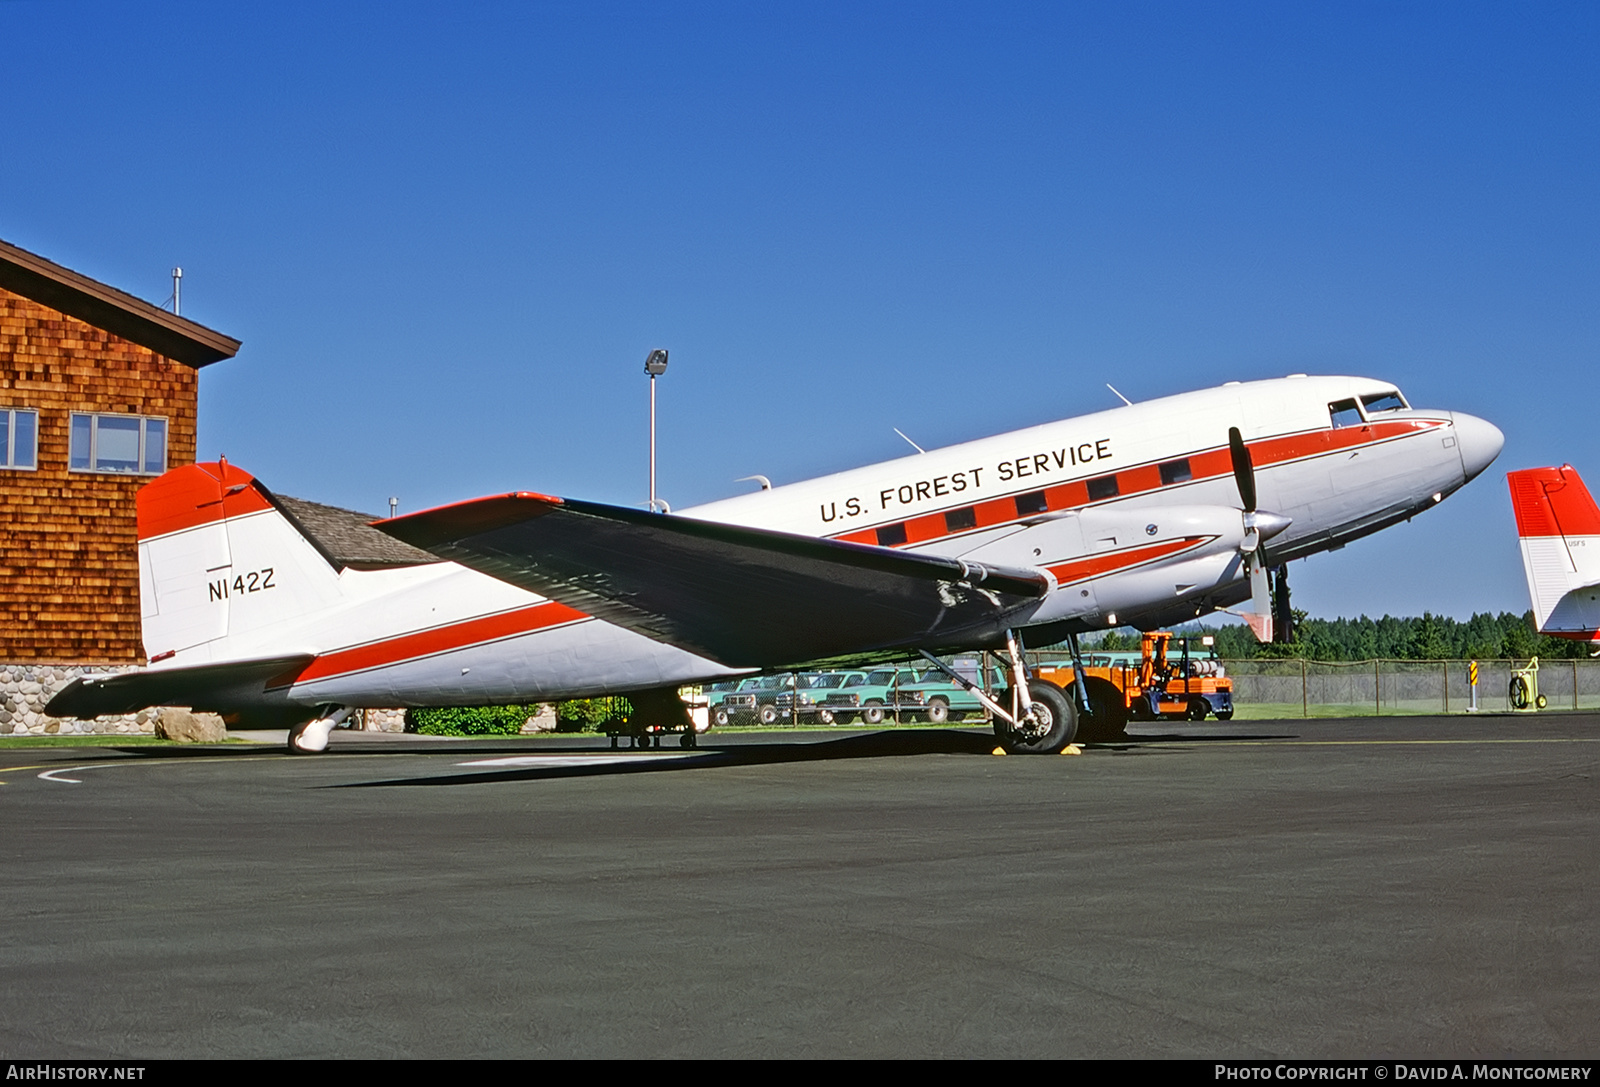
(221, 568)
(1559, 528)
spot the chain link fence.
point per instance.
(1294, 688)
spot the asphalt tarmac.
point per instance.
(1402, 887)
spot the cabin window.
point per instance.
(1031, 503)
(19, 439)
(961, 520)
(1345, 413)
(1176, 471)
(134, 444)
(1102, 488)
(1389, 401)
(892, 535)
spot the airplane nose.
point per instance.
(1478, 441)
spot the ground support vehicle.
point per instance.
(1523, 693)
(1159, 686)
(647, 729)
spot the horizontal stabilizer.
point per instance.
(1559, 529)
(741, 596)
(202, 686)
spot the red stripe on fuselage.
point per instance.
(432, 642)
(1096, 565)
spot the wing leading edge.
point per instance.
(741, 596)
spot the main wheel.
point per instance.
(938, 711)
(1109, 722)
(872, 713)
(1055, 723)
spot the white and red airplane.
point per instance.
(1558, 526)
(1143, 515)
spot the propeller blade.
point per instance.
(1244, 473)
(1260, 599)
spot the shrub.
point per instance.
(469, 720)
(590, 714)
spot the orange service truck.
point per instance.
(1168, 681)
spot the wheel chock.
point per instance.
(1072, 749)
(998, 751)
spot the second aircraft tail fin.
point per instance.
(1558, 525)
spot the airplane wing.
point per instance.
(741, 596)
(200, 686)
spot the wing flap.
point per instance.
(743, 597)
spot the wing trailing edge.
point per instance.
(744, 597)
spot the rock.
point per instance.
(190, 728)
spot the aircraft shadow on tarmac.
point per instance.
(896, 744)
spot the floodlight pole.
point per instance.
(655, 364)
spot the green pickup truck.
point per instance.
(864, 696)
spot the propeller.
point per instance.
(1255, 560)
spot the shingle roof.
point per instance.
(118, 312)
(346, 538)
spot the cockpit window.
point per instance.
(1389, 401)
(1345, 413)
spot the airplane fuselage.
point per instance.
(1134, 513)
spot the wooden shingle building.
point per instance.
(98, 394)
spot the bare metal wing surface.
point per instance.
(741, 596)
(203, 686)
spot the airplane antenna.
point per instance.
(1120, 397)
(902, 434)
(766, 484)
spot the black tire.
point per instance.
(1198, 709)
(1517, 693)
(1541, 702)
(1060, 723)
(1225, 715)
(938, 711)
(686, 740)
(1109, 722)
(768, 715)
(872, 713)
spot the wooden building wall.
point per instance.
(69, 573)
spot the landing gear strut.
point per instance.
(311, 737)
(1040, 719)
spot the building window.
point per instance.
(19, 438)
(134, 444)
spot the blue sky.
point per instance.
(449, 234)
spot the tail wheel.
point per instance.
(1055, 722)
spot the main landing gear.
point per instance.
(1033, 716)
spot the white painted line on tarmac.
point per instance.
(50, 775)
(572, 760)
